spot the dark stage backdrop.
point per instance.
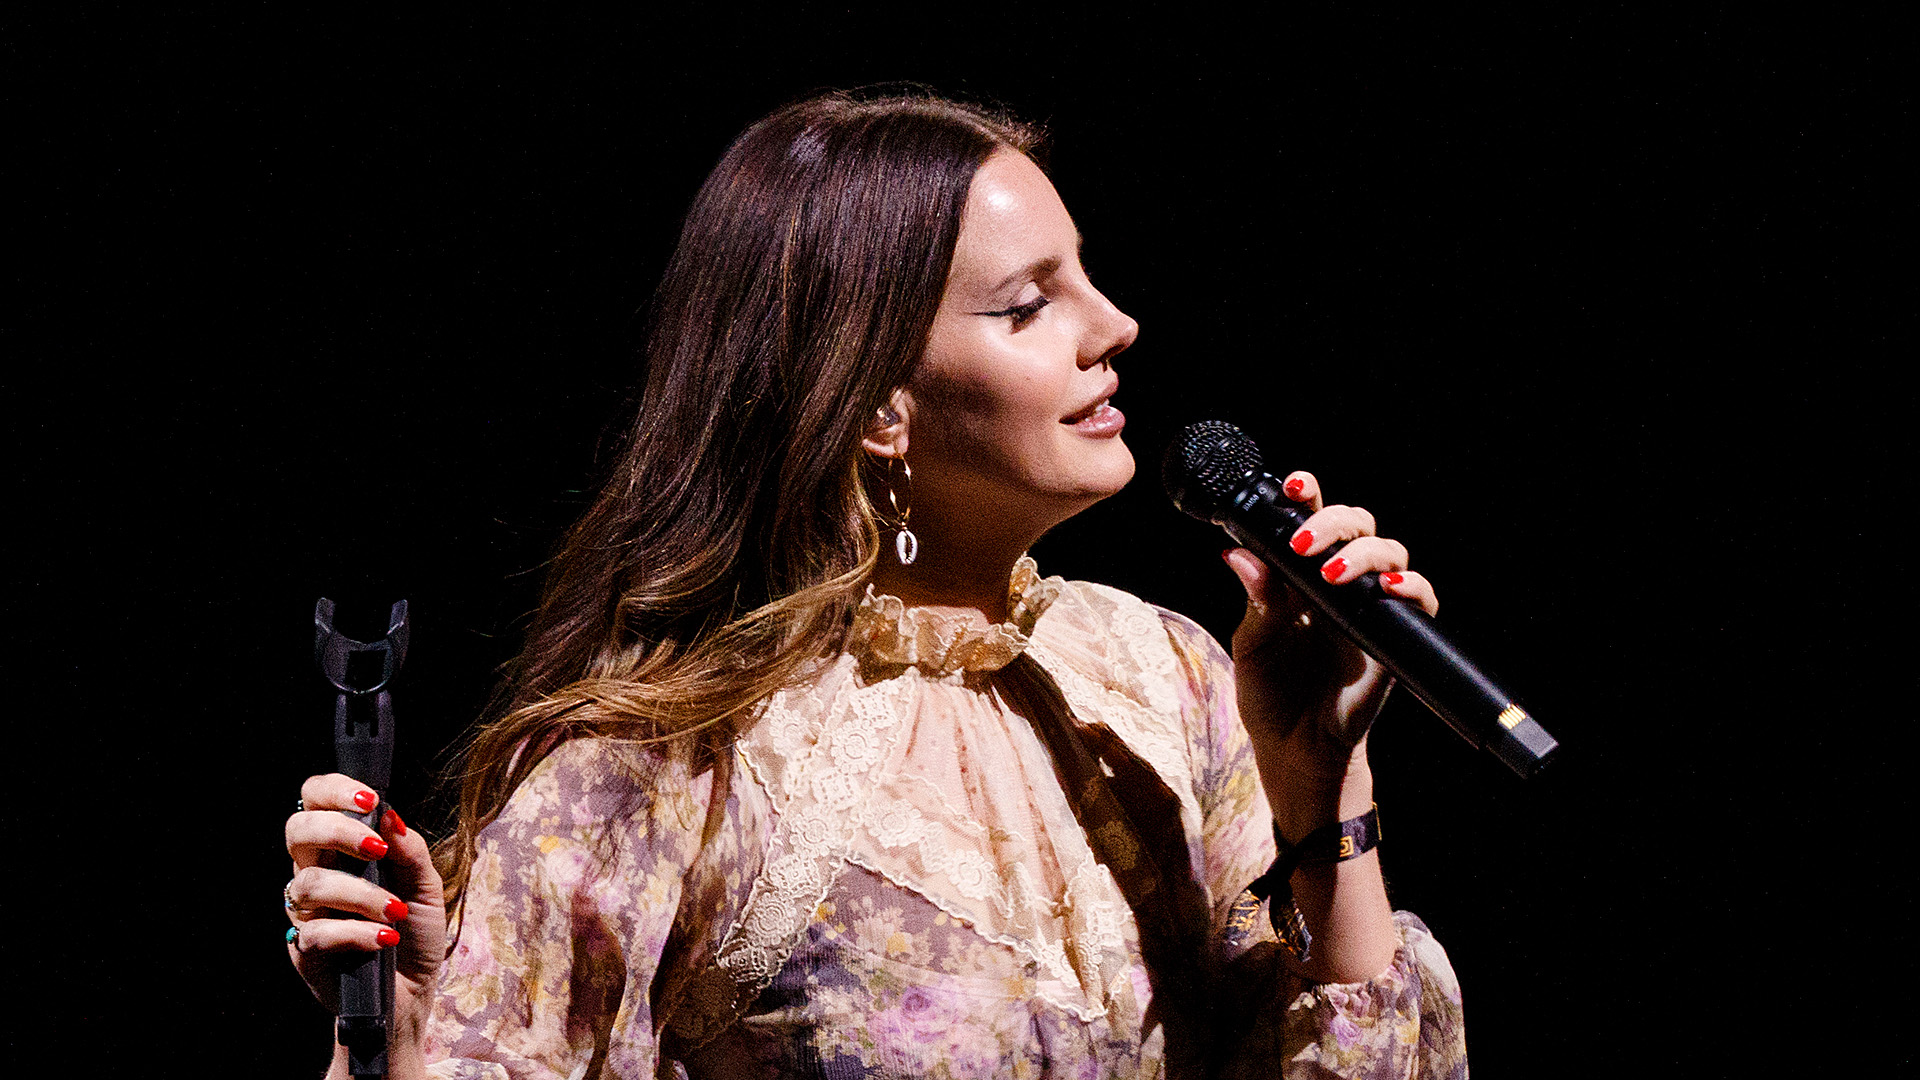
(1597, 312)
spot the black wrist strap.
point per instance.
(1332, 843)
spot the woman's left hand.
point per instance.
(1307, 694)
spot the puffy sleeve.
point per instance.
(1406, 1023)
(568, 920)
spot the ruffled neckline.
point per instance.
(888, 632)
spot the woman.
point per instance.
(768, 802)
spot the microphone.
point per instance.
(1213, 472)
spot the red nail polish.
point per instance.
(1302, 540)
(387, 936)
(1294, 487)
(1393, 577)
(365, 800)
(1334, 569)
(373, 848)
(396, 909)
(394, 824)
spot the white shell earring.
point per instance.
(906, 546)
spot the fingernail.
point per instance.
(1294, 487)
(1302, 540)
(387, 936)
(373, 848)
(1393, 577)
(365, 800)
(396, 909)
(1334, 569)
(395, 825)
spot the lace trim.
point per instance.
(1095, 928)
(896, 837)
(819, 775)
(827, 756)
(829, 767)
(888, 632)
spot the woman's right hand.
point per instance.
(340, 917)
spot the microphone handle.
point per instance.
(1394, 631)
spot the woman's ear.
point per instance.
(887, 428)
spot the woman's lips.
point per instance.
(1102, 422)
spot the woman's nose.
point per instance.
(1108, 336)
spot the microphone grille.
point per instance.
(1205, 466)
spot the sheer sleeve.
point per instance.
(569, 911)
(1405, 1023)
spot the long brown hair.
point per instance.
(727, 547)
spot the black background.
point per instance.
(1596, 310)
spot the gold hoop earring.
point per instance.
(906, 546)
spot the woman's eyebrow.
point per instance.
(1040, 268)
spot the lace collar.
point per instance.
(887, 632)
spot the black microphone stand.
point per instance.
(360, 673)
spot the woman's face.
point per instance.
(1007, 413)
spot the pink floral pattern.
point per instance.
(604, 895)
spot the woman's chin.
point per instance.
(1124, 463)
(1105, 476)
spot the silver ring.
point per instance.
(286, 894)
(299, 806)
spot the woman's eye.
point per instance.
(1021, 314)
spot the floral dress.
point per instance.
(886, 877)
